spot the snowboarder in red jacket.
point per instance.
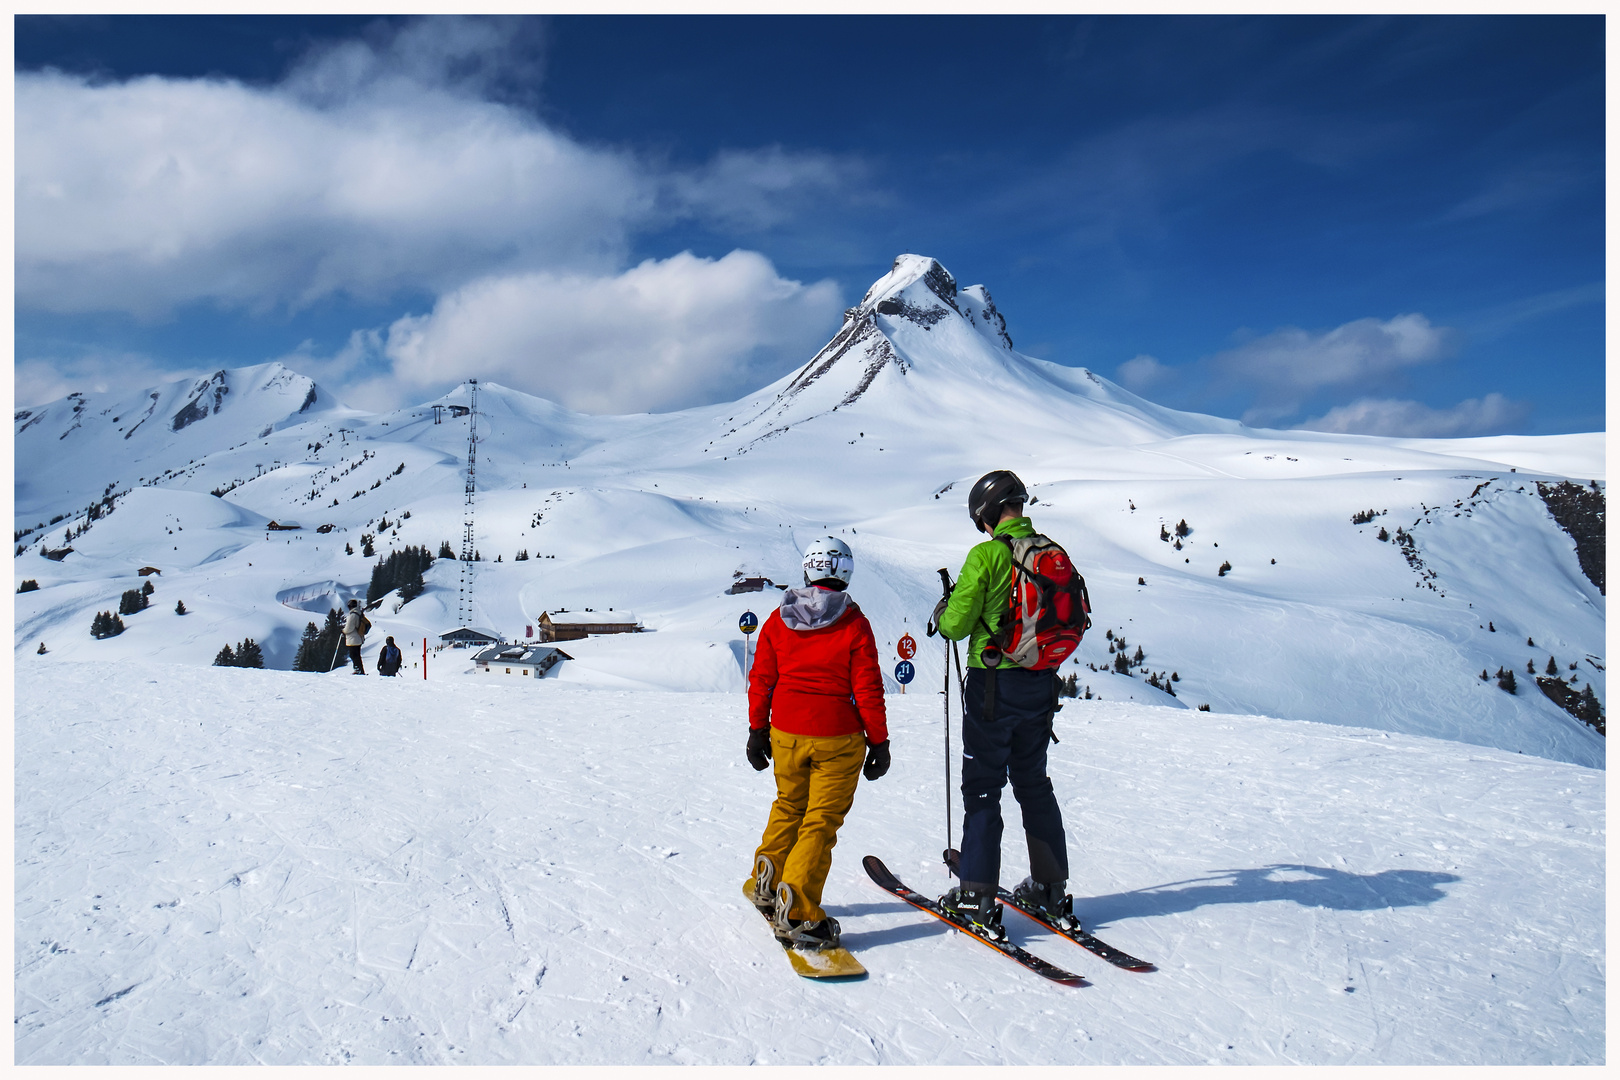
(815, 709)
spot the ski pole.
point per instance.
(945, 580)
(335, 652)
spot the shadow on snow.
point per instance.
(1307, 886)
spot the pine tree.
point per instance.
(1529, 667)
(41, 649)
(366, 547)
(106, 625)
(225, 657)
(147, 589)
(331, 635)
(1225, 566)
(444, 550)
(1530, 641)
(308, 657)
(1491, 626)
(1505, 679)
(28, 585)
(131, 602)
(1552, 666)
(179, 607)
(1183, 529)
(1140, 655)
(249, 654)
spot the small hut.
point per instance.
(530, 661)
(463, 636)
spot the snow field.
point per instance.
(227, 866)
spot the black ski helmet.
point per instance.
(994, 491)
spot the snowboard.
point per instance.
(837, 963)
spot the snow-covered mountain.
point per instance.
(876, 439)
(77, 448)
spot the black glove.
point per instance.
(933, 620)
(759, 748)
(877, 760)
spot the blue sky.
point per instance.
(1386, 225)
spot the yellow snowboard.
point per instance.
(837, 963)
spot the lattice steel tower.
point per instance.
(465, 607)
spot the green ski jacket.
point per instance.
(981, 591)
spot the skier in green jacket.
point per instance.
(1011, 743)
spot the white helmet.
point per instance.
(828, 557)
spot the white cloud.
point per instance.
(662, 335)
(1284, 367)
(1141, 373)
(757, 189)
(1491, 415)
(37, 380)
(395, 164)
(144, 195)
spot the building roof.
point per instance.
(518, 654)
(468, 632)
(588, 618)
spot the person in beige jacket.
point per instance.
(354, 635)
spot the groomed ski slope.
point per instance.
(230, 866)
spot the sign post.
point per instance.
(747, 624)
(907, 648)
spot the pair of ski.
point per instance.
(840, 963)
(886, 881)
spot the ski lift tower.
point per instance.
(465, 606)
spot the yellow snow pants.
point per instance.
(815, 787)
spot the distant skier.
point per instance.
(815, 707)
(390, 659)
(1009, 742)
(354, 635)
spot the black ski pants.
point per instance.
(354, 659)
(1009, 746)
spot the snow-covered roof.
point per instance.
(587, 618)
(465, 632)
(518, 654)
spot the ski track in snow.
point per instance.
(222, 866)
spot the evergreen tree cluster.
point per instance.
(30, 585)
(318, 647)
(132, 601)
(1583, 706)
(247, 654)
(444, 550)
(106, 625)
(400, 570)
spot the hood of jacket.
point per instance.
(811, 608)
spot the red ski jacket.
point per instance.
(818, 682)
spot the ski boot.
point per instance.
(764, 894)
(802, 933)
(1050, 900)
(979, 908)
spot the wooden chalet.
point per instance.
(564, 625)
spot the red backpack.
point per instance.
(1048, 608)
